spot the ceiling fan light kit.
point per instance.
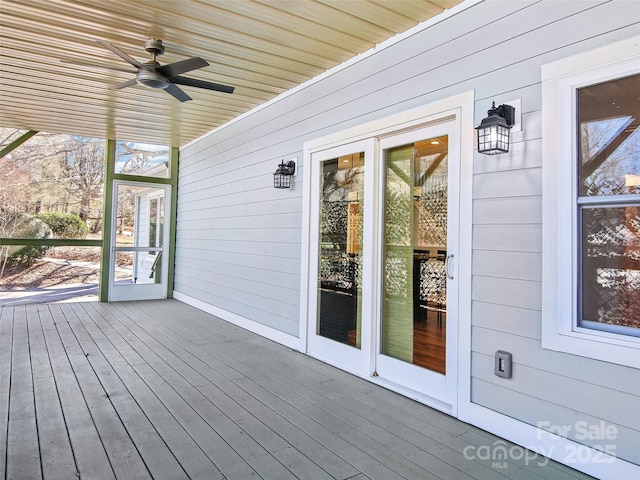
(153, 75)
(150, 78)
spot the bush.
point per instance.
(64, 225)
(23, 225)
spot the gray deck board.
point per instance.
(349, 416)
(159, 390)
(89, 453)
(183, 447)
(6, 351)
(23, 458)
(56, 455)
(254, 419)
(185, 380)
(121, 383)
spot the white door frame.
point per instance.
(460, 108)
(131, 291)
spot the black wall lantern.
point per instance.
(493, 131)
(283, 174)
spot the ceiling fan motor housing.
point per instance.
(150, 78)
(154, 46)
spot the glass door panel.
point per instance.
(340, 255)
(414, 253)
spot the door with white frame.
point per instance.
(340, 329)
(417, 323)
(383, 294)
(138, 263)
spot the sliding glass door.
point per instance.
(418, 251)
(383, 249)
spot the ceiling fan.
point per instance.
(153, 75)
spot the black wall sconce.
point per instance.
(493, 131)
(283, 174)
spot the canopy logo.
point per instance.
(499, 453)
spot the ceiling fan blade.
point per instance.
(183, 66)
(177, 93)
(121, 54)
(122, 85)
(192, 82)
(93, 65)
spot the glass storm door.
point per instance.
(339, 332)
(138, 265)
(417, 326)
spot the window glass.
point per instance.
(609, 138)
(340, 267)
(414, 313)
(160, 222)
(611, 267)
(609, 237)
(153, 222)
(143, 159)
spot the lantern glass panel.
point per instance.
(493, 139)
(281, 180)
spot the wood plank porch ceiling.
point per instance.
(262, 47)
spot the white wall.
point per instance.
(238, 239)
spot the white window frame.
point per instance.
(560, 80)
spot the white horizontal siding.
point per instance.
(532, 410)
(251, 300)
(518, 321)
(507, 183)
(507, 291)
(238, 239)
(277, 236)
(289, 265)
(513, 238)
(527, 352)
(266, 248)
(533, 398)
(265, 278)
(507, 210)
(284, 221)
(522, 155)
(546, 386)
(507, 265)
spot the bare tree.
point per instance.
(83, 172)
(31, 171)
(135, 158)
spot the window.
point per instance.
(591, 204)
(608, 214)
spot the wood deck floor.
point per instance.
(160, 390)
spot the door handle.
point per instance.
(446, 266)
